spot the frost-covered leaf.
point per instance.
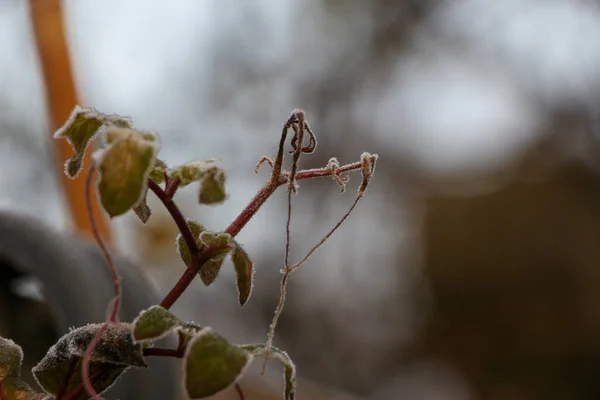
(142, 210)
(13, 388)
(216, 239)
(157, 174)
(11, 358)
(212, 364)
(153, 324)
(244, 271)
(205, 240)
(193, 171)
(210, 270)
(182, 247)
(124, 167)
(81, 127)
(60, 369)
(212, 188)
(187, 331)
(79, 130)
(289, 368)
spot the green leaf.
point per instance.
(124, 167)
(212, 364)
(205, 240)
(79, 130)
(153, 324)
(11, 358)
(289, 368)
(60, 369)
(187, 331)
(216, 239)
(14, 388)
(142, 210)
(157, 174)
(244, 271)
(193, 171)
(210, 269)
(182, 247)
(212, 188)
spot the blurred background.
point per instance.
(471, 269)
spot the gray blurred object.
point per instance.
(77, 286)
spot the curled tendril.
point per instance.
(333, 165)
(263, 160)
(312, 139)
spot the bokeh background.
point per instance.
(472, 268)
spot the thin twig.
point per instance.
(325, 238)
(278, 311)
(288, 223)
(109, 260)
(367, 165)
(112, 317)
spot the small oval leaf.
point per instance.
(153, 324)
(157, 174)
(212, 188)
(182, 247)
(210, 270)
(79, 130)
(124, 167)
(244, 270)
(212, 364)
(142, 210)
(11, 358)
(193, 171)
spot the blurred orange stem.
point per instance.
(48, 26)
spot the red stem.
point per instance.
(247, 213)
(177, 216)
(153, 351)
(233, 229)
